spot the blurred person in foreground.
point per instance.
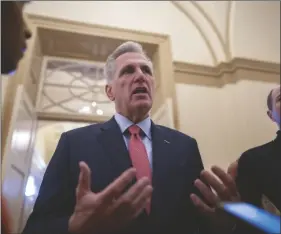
(14, 34)
(259, 168)
(129, 175)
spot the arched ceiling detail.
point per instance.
(183, 9)
(224, 43)
(231, 28)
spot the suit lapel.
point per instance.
(161, 149)
(114, 147)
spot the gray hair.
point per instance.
(126, 47)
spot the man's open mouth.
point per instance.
(140, 90)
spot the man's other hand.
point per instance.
(214, 190)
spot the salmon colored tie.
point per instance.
(139, 156)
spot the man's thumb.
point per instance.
(84, 181)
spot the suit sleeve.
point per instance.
(56, 199)
(203, 224)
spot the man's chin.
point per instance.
(142, 106)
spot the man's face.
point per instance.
(132, 87)
(13, 35)
(275, 113)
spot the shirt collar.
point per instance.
(124, 124)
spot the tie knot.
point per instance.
(134, 130)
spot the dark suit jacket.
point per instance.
(176, 164)
(258, 174)
(259, 169)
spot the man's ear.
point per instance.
(109, 93)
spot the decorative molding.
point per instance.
(71, 117)
(227, 72)
(95, 29)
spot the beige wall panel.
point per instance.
(226, 110)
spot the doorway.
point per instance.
(47, 136)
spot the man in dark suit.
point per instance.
(128, 175)
(14, 34)
(260, 167)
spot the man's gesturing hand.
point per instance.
(224, 190)
(110, 209)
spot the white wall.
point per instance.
(257, 31)
(225, 121)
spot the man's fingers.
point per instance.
(200, 204)
(220, 188)
(135, 198)
(208, 194)
(143, 200)
(84, 180)
(125, 204)
(232, 169)
(135, 191)
(143, 204)
(117, 187)
(226, 179)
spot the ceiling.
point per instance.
(202, 32)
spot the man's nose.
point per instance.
(140, 75)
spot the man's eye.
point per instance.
(128, 70)
(146, 70)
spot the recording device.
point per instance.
(256, 217)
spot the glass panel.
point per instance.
(74, 87)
